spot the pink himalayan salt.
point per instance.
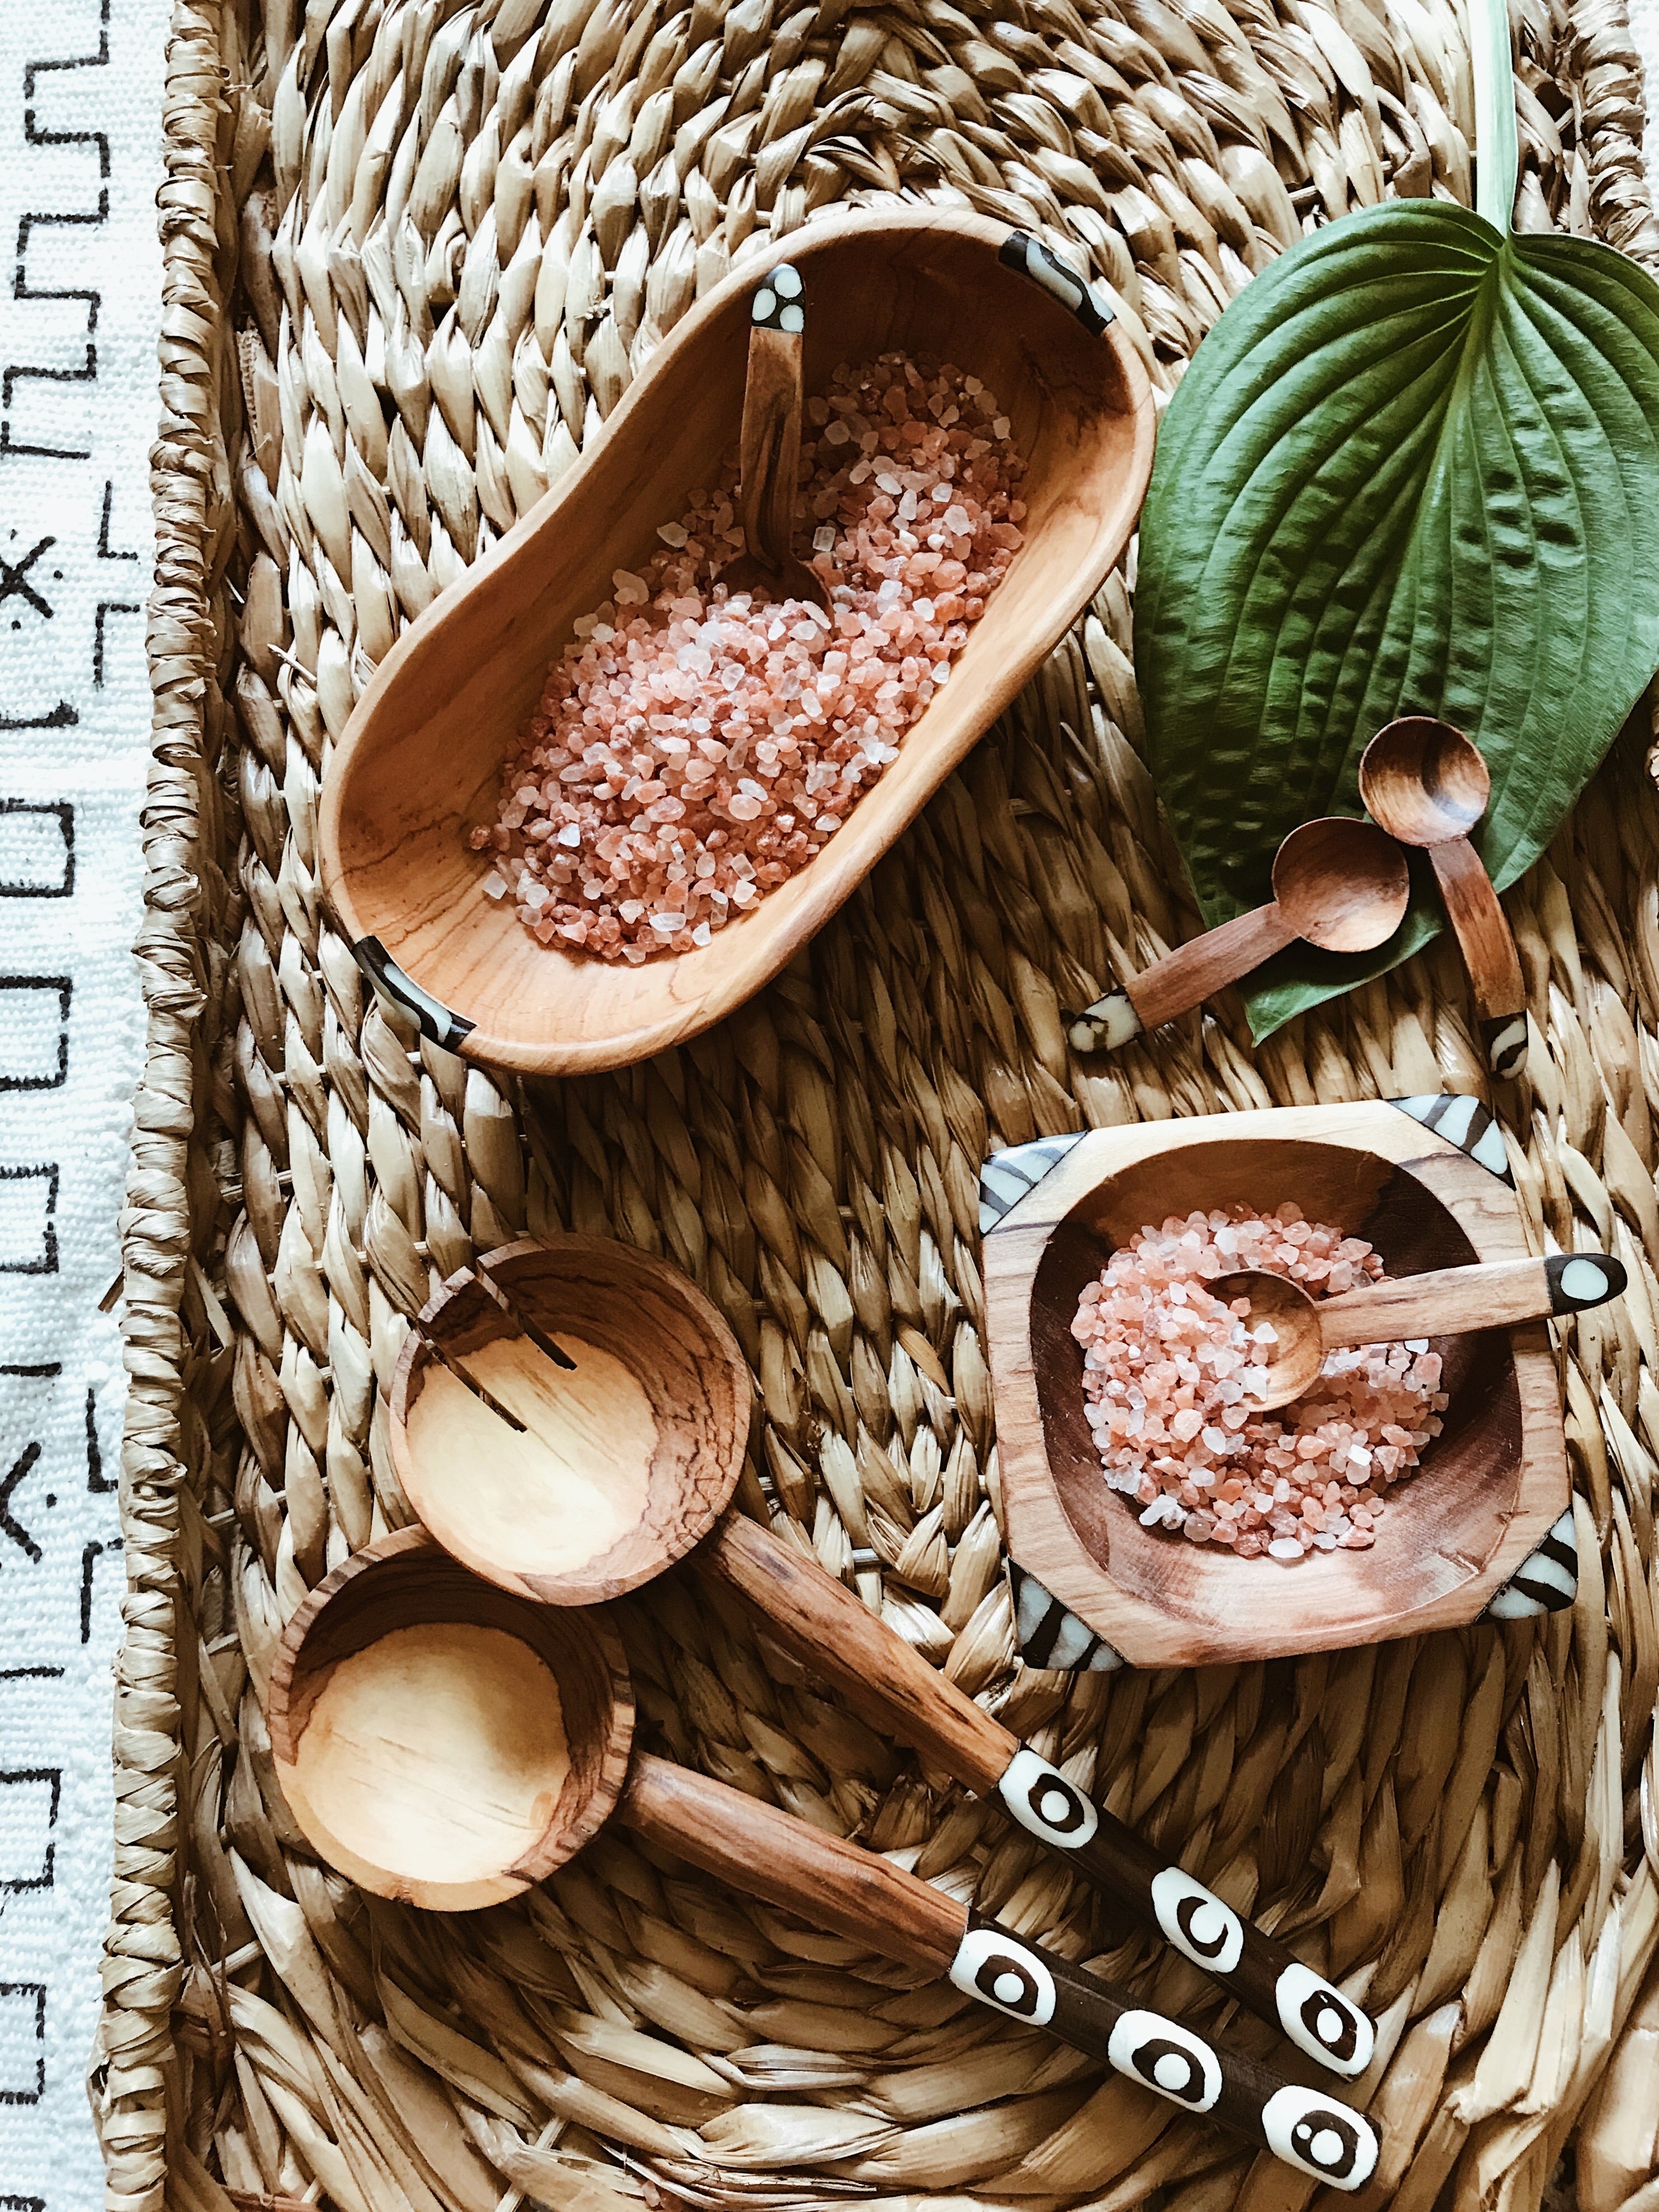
(1168, 1371)
(693, 750)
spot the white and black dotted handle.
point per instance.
(890, 1686)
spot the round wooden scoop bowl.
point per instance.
(1338, 883)
(1426, 784)
(419, 764)
(1489, 1489)
(439, 1739)
(1450, 1302)
(633, 1398)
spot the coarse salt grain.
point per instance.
(610, 812)
(1167, 1378)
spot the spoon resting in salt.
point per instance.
(1446, 1302)
(1338, 883)
(769, 465)
(1425, 783)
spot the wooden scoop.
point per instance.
(1447, 1302)
(1426, 784)
(1337, 883)
(770, 464)
(444, 1744)
(638, 1445)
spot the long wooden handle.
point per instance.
(770, 447)
(1454, 1301)
(1196, 971)
(888, 1683)
(858, 1894)
(1488, 947)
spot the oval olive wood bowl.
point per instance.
(629, 1453)
(419, 762)
(1489, 1489)
(439, 1739)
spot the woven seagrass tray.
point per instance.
(414, 249)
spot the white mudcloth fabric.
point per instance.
(81, 273)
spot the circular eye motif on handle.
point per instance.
(991, 1966)
(1201, 1928)
(1320, 2020)
(1326, 2140)
(1166, 2058)
(1045, 1803)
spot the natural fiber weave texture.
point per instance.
(414, 251)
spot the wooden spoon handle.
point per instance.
(765, 1852)
(1483, 934)
(1182, 979)
(1453, 1301)
(770, 448)
(889, 1684)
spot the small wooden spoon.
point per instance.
(769, 466)
(1447, 1302)
(1424, 783)
(1339, 884)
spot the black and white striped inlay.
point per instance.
(1033, 259)
(999, 1970)
(1547, 1583)
(1320, 2020)
(1505, 1041)
(1167, 2057)
(436, 1022)
(1104, 1026)
(1327, 2140)
(1046, 1633)
(1045, 1803)
(1200, 1926)
(1465, 1122)
(776, 305)
(1007, 1176)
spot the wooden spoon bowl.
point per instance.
(628, 1452)
(419, 762)
(1342, 883)
(1423, 782)
(441, 1741)
(1489, 1489)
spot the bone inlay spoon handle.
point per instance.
(1452, 1301)
(1183, 979)
(864, 1896)
(770, 446)
(890, 1686)
(1488, 944)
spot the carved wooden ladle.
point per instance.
(1425, 783)
(633, 1446)
(1338, 883)
(446, 1744)
(1445, 1302)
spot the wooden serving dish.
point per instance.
(419, 762)
(1490, 1488)
(634, 1399)
(439, 1739)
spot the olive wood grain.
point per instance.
(890, 1685)
(1338, 883)
(634, 1434)
(1492, 1484)
(419, 762)
(768, 446)
(863, 1897)
(475, 1743)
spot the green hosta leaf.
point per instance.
(1414, 468)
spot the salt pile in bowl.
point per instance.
(1168, 1371)
(693, 749)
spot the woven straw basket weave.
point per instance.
(414, 251)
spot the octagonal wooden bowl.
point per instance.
(1489, 1489)
(419, 762)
